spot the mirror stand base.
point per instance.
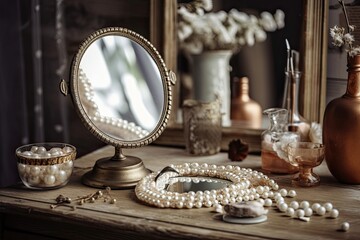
(115, 173)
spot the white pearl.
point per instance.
(283, 192)
(68, 164)
(45, 155)
(261, 201)
(34, 180)
(179, 204)
(67, 149)
(49, 179)
(41, 150)
(21, 168)
(189, 204)
(304, 204)
(260, 189)
(292, 193)
(300, 213)
(27, 169)
(34, 149)
(61, 176)
(279, 199)
(52, 169)
(290, 212)
(334, 213)
(27, 153)
(321, 211)
(198, 204)
(34, 170)
(315, 206)
(268, 202)
(328, 206)
(55, 149)
(294, 205)
(308, 212)
(283, 207)
(345, 226)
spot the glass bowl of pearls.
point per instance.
(45, 165)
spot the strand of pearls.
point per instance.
(245, 185)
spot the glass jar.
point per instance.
(274, 140)
(45, 165)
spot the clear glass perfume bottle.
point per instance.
(274, 141)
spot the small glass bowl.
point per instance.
(45, 165)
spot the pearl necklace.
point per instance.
(93, 112)
(245, 185)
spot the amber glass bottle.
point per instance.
(244, 110)
(341, 131)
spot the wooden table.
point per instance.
(26, 214)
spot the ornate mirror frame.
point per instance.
(119, 171)
(313, 88)
(164, 73)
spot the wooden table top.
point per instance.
(130, 215)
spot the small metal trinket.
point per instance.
(61, 200)
(238, 150)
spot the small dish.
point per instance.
(45, 165)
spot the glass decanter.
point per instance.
(274, 141)
(297, 123)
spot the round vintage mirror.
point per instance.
(121, 90)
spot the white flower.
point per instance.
(315, 133)
(268, 21)
(221, 30)
(280, 147)
(354, 51)
(280, 18)
(348, 38)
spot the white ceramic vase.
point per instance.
(211, 79)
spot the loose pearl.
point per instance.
(321, 211)
(261, 201)
(283, 207)
(345, 226)
(334, 213)
(294, 204)
(304, 204)
(283, 192)
(328, 206)
(290, 212)
(268, 202)
(279, 199)
(292, 193)
(308, 212)
(300, 213)
(315, 206)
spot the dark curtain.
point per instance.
(37, 43)
(33, 59)
(13, 115)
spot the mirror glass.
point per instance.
(263, 63)
(120, 88)
(187, 184)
